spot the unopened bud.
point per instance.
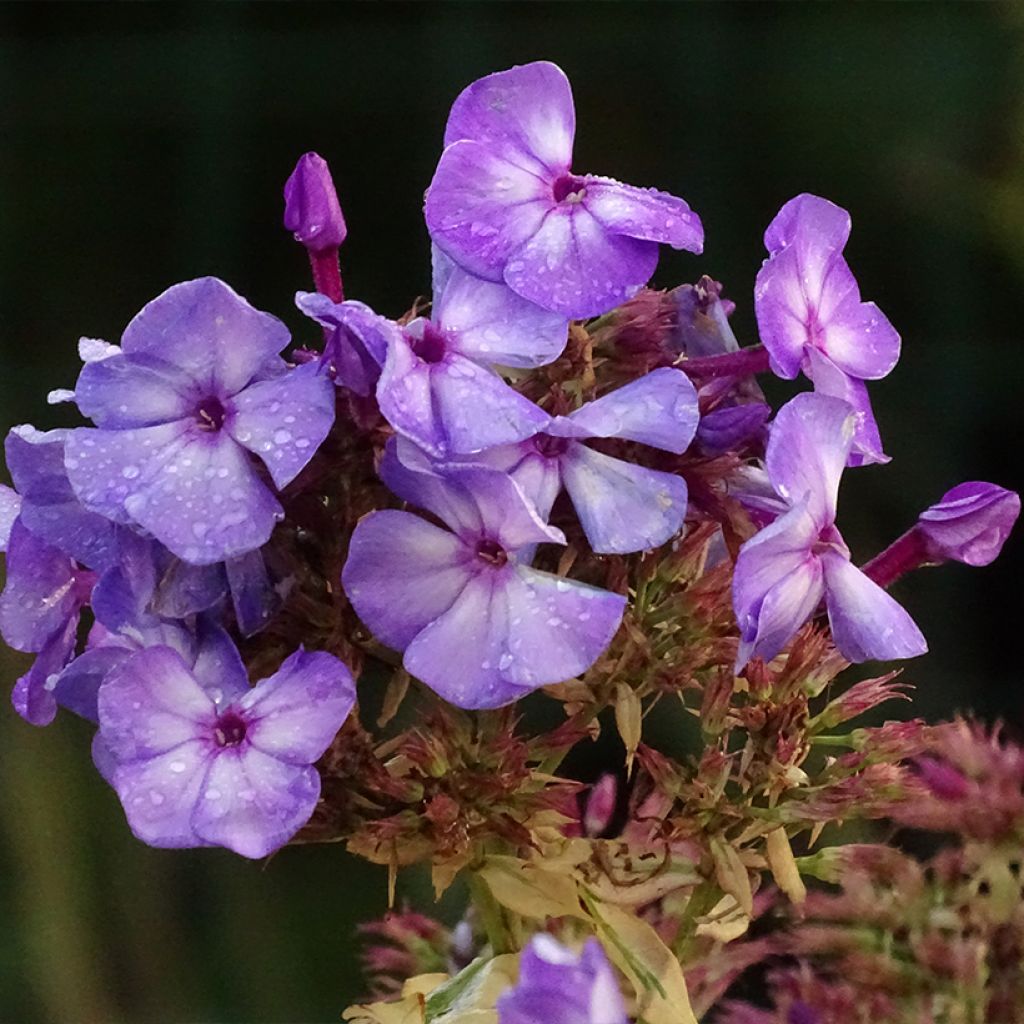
(970, 524)
(311, 208)
(600, 806)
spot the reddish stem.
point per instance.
(903, 555)
(327, 274)
(730, 364)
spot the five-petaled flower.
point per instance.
(226, 764)
(197, 385)
(475, 622)
(811, 318)
(506, 205)
(783, 572)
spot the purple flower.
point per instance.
(556, 984)
(811, 318)
(311, 208)
(196, 386)
(506, 206)
(622, 507)
(435, 385)
(476, 623)
(48, 505)
(39, 612)
(783, 572)
(970, 524)
(224, 766)
(356, 340)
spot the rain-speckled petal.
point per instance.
(284, 420)
(253, 803)
(807, 449)
(402, 573)
(524, 114)
(644, 213)
(295, 713)
(573, 265)
(621, 506)
(490, 324)
(480, 207)
(659, 409)
(208, 331)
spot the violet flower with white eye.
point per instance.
(557, 985)
(505, 204)
(475, 622)
(227, 765)
(621, 506)
(783, 572)
(436, 385)
(811, 317)
(197, 385)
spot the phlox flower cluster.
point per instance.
(488, 495)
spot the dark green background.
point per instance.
(145, 144)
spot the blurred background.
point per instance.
(142, 145)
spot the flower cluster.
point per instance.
(550, 478)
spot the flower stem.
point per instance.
(904, 554)
(327, 274)
(746, 361)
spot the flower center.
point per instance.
(492, 552)
(550, 447)
(829, 540)
(569, 189)
(431, 347)
(229, 730)
(210, 414)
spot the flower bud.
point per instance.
(311, 208)
(970, 523)
(600, 806)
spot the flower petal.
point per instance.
(121, 392)
(196, 492)
(622, 507)
(33, 696)
(573, 265)
(252, 803)
(402, 573)
(253, 597)
(358, 341)
(783, 313)
(284, 420)
(557, 627)
(782, 611)
(489, 323)
(294, 714)
(525, 114)
(867, 624)
(644, 213)
(659, 409)
(49, 507)
(808, 445)
(204, 328)
(40, 594)
(511, 631)
(481, 207)
(217, 666)
(810, 221)
(476, 409)
(859, 339)
(829, 380)
(159, 793)
(152, 704)
(773, 555)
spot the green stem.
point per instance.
(491, 916)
